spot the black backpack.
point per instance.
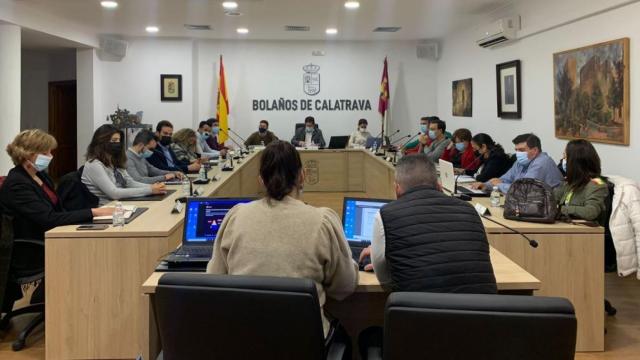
(73, 194)
(530, 200)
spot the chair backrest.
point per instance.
(469, 326)
(73, 194)
(6, 250)
(301, 125)
(204, 316)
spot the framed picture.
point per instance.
(462, 101)
(508, 85)
(170, 87)
(591, 92)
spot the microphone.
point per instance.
(394, 134)
(400, 139)
(233, 140)
(237, 135)
(532, 243)
(408, 141)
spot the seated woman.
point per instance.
(583, 194)
(184, 146)
(139, 168)
(105, 173)
(29, 196)
(360, 136)
(280, 235)
(494, 161)
(461, 153)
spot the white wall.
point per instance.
(268, 70)
(463, 59)
(39, 67)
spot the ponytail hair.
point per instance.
(280, 167)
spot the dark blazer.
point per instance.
(495, 166)
(33, 211)
(317, 137)
(160, 161)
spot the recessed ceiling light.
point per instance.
(230, 5)
(352, 4)
(152, 29)
(109, 4)
(242, 31)
(332, 31)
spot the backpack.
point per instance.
(530, 200)
(73, 194)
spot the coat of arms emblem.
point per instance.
(311, 79)
(311, 172)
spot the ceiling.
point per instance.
(265, 19)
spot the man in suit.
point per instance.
(163, 157)
(309, 134)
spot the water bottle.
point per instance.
(374, 148)
(203, 173)
(261, 142)
(118, 215)
(495, 197)
(186, 187)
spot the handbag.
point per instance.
(530, 200)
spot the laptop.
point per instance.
(202, 219)
(358, 217)
(448, 181)
(378, 141)
(338, 142)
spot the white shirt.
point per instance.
(203, 148)
(378, 259)
(307, 138)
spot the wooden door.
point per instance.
(63, 126)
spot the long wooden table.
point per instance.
(95, 307)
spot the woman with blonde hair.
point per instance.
(184, 146)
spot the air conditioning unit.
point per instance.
(499, 32)
(113, 47)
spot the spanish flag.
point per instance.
(223, 106)
(383, 102)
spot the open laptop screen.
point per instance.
(358, 216)
(204, 216)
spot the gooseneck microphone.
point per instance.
(400, 139)
(393, 134)
(237, 135)
(532, 243)
(232, 139)
(408, 141)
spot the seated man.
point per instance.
(531, 162)
(163, 157)
(439, 141)
(262, 137)
(308, 135)
(202, 147)
(441, 248)
(139, 168)
(212, 140)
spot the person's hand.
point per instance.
(366, 252)
(158, 188)
(423, 139)
(169, 176)
(179, 175)
(223, 152)
(495, 181)
(450, 146)
(104, 211)
(477, 186)
(194, 167)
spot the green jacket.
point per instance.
(587, 203)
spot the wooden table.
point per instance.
(365, 307)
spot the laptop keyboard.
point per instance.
(195, 251)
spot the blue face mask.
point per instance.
(460, 146)
(147, 153)
(205, 135)
(215, 130)
(309, 130)
(423, 129)
(522, 158)
(564, 165)
(432, 135)
(42, 162)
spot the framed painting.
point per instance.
(508, 85)
(591, 93)
(170, 87)
(462, 101)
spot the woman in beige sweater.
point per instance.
(280, 235)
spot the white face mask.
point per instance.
(362, 129)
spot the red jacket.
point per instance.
(467, 160)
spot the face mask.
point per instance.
(522, 158)
(205, 135)
(147, 153)
(262, 130)
(215, 130)
(115, 148)
(165, 140)
(309, 130)
(460, 146)
(363, 129)
(564, 165)
(432, 135)
(42, 162)
(423, 129)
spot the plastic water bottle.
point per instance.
(374, 148)
(118, 215)
(203, 173)
(495, 197)
(186, 187)
(261, 142)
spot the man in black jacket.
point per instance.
(309, 134)
(163, 157)
(428, 241)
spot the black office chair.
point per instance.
(301, 125)
(468, 326)
(610, 261)
(13, 278)
(204, 316)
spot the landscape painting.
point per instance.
(591, 93)
(462, 98)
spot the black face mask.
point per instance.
(262, 130)
(165, 140)
(115, 148)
